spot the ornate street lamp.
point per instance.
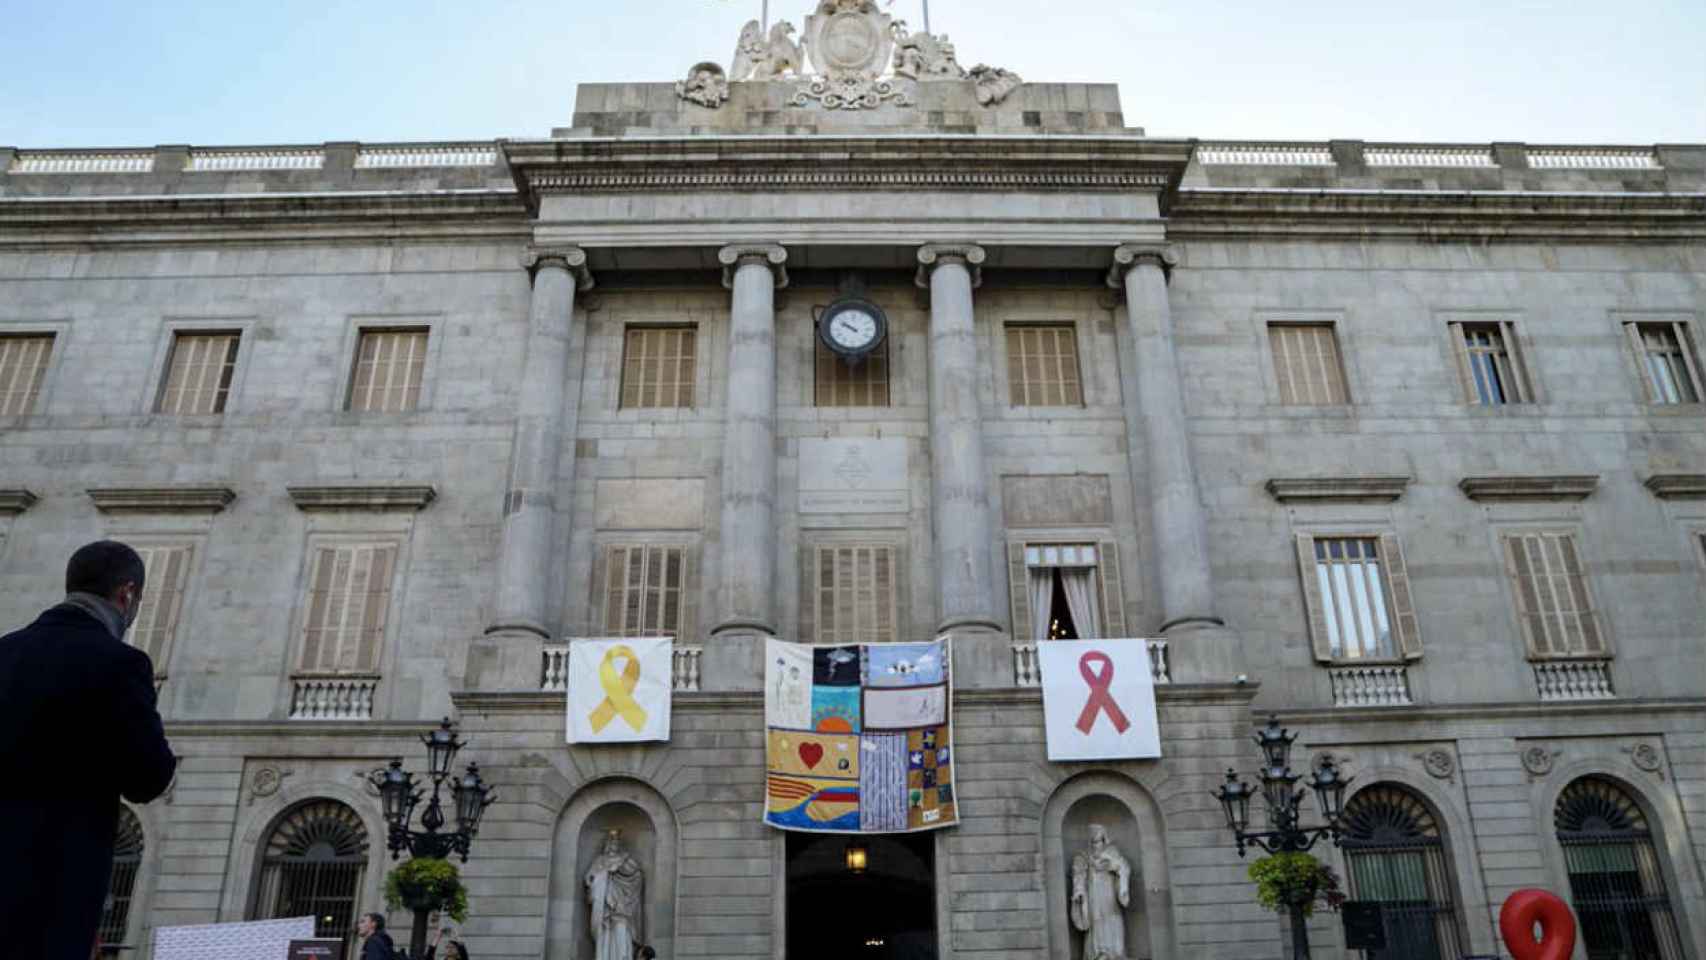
(399, 795)
(1282, 798)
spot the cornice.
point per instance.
(1337, 489)
(1677, 486)
(1556, 487)
(537, 701)
(1256, 213)
(15, 500)
(402, 497)
(181, 499)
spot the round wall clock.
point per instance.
(852, 327)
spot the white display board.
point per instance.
(253, 940)
(1099, 699)
(619, 689)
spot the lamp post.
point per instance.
(1282, 799)
(399, 795)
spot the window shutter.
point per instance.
(314, 638)
(1288, 391)
(1520, 569)
(1521, 385)
(686, 628)
(1686, 345)
(808, 594)
(23, 366)
(615, 583)
(1404, 619)
(1465, 376)
(1633, 330)
(1017, 591)
(1113, 590)
(167, 568)
(1313, 602)
(1593, 639)
(388, 371)
(375, 601)
(349, 601)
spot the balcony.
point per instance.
(554, 668)
(1027, 672)
(1384, 685)
(333, 697)
(1573, 680)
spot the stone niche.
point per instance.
(648, 834)
(1133, 823)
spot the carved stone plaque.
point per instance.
(853, 475)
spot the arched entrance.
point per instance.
(1395, 856)
(1616, 882)
(312, 865)
(885, 911)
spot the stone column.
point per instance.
(746, 591)
(510, 657)
(1174, 508)
(959, 485)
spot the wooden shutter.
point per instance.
(1679, 330)
(198, 373)
(1521, 385)
(1042, 365)
(849, 594)
(349, 598)
(840, 384)
(23, 366)
(388, 370)
(1404, 621)
(1314, 609)
(1018, 592)
(1593, 639)
(1306, 364)
(648, 590)
(1465, 374)
(658, 366)
(1639, 346)
(167, 571)
(1531, 617)
(1113, 589)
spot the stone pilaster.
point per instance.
(508, 658)
(1209, 651)
(964, 586)
(745, 593)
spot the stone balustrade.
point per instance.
(82, 161)
(1571, 680)
(1427, 155)
(333, 698)
(1593, 158)
(1383, 685)
(554, 668)
(259, 158)
(426, 155)
(1027, 670)
(1265, 154)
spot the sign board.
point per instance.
(1099, 699)
(619, 689)
(853, 475)
(1363, 927)
(323, 949)
(254, 940)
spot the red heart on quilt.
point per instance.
(810, 754)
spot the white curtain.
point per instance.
(1040, 580)
(1079, 585)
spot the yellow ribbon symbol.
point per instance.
(618, 691)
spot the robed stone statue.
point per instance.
(1101, 892)
(615, 889)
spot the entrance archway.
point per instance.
(887, 911)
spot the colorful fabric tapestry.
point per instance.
(859, 737)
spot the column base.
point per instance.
(506, 658)
(734, 660)
(983, 653)
(1203, 649)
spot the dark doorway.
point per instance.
(885, 912)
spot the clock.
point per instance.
(852, 327)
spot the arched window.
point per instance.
(127, 859)
(1616, 884)
(1394, 856)
(312, 862)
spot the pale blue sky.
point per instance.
(78, 73)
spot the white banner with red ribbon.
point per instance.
(1099, 699)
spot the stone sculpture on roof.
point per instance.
(860, 58)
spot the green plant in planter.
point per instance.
(1285, 880)
(425, 884)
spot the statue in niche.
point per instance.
(1101, 892)
(615, 887)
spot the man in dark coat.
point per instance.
(78, 729)
(376, 943)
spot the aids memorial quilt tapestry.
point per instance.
(619, 689)
(1099, 700)
(859, 737)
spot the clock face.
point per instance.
(853, 328)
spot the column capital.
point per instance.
(1128, 255)
(772, 255)
(932, 255)
(572, 259)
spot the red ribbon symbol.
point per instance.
(1100, 701)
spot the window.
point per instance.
(312, 864)
(1066, 591)
(1667, 359)
(647, 591)
(658, 366)
(1616, 883)
(1356, 593)
(1553, 604)
(127, 860)
(198, 373)
(388, 369)
(23, 366)
(167, 573)
(1394, 856)
(840, 384)
(1487, 361)
(1042, 365)
(1306, 364)
(349, 596)
(849, 593)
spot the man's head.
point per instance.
(370, 924)
(109, 570)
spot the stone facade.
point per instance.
(529, 263)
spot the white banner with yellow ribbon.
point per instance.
(619, 689)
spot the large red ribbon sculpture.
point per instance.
(1100, 700)
(1522, 911)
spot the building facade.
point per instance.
(1404, 442)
